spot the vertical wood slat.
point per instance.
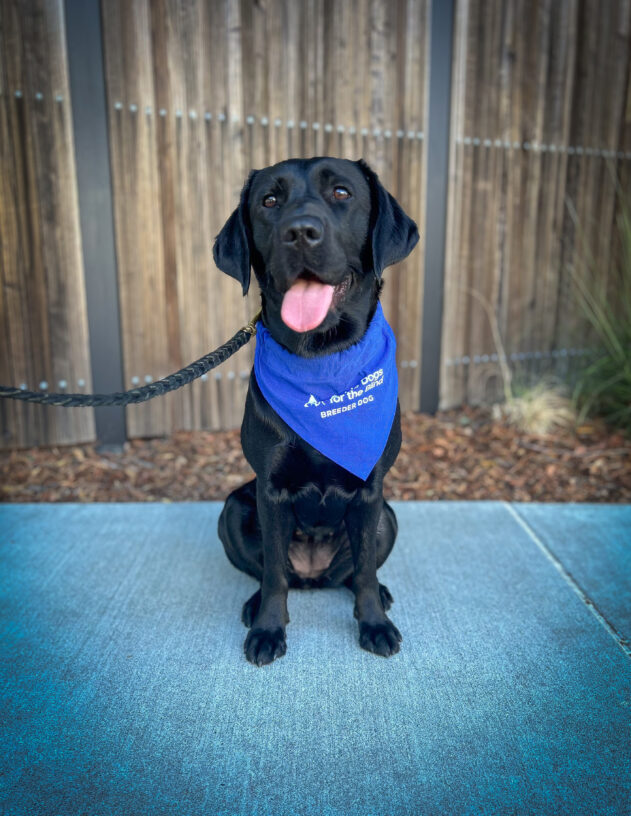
(137, 215)
(44, 335)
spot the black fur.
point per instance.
(304, 521)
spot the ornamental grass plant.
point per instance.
(603, 387)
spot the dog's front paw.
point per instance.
(380, 638)
(264, 645)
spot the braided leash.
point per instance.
(146, 392)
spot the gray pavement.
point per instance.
(125, 689)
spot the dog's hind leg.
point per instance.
(386, 536)
(341, 569)
(239, 531)
(240, 535)
(387, 530)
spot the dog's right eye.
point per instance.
(341, 193)
(269, 201)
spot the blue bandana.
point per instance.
(342, 404)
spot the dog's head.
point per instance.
(318, 234)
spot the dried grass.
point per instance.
(541, 410)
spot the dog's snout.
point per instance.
(306, 229)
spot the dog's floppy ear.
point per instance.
(231, 250)
(393, 233)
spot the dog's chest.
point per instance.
(318, 508)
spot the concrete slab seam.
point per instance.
(569, 579)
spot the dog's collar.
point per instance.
(343, 403)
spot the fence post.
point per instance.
(89, 116)
(434, 233)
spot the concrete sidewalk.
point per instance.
(125, 689)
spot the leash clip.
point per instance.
(250, 327)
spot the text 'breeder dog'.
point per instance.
(322, 424)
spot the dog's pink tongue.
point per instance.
(306, 304)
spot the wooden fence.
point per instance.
(541, 125)
(200, 92)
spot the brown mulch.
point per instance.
(462, 454)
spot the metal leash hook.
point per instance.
(171, 383)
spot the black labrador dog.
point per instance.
(318, 234)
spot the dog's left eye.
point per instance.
(269, 201)
(341, 193)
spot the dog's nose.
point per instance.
(306, 228)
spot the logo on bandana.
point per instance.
(349, 400)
